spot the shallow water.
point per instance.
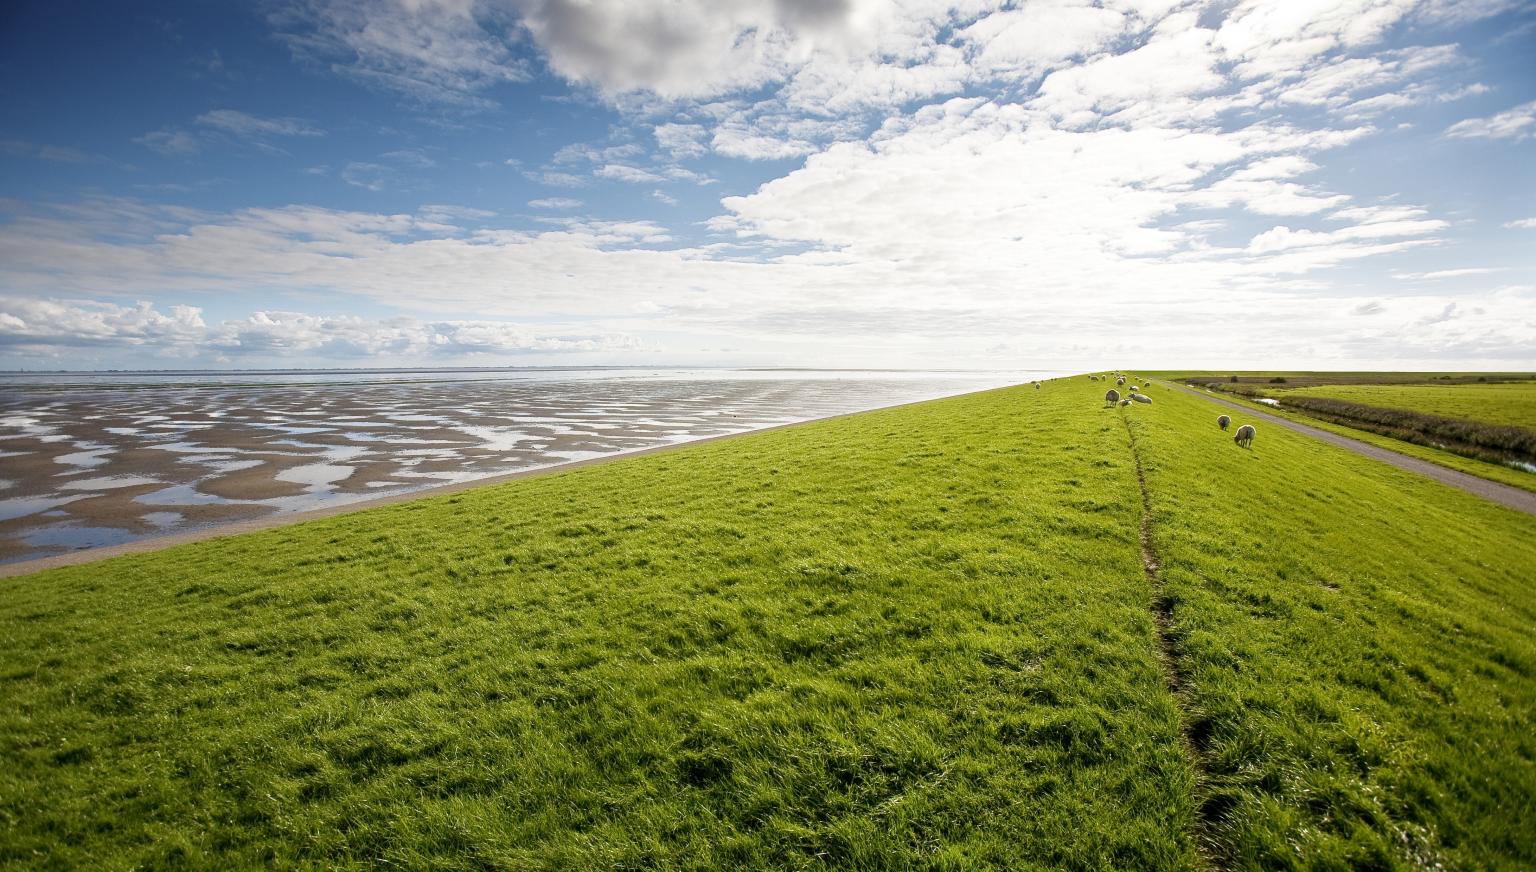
(95, 460)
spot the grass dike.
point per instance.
(915, 638)
(912, 638)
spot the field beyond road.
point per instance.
(1511, 403)
(1016, 629)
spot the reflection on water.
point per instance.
(94, 460)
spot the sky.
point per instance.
(1072, 184)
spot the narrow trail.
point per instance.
(1170, 659)
(1503, 494)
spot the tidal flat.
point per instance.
(89, 461)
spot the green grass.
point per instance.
(1314, 378)
(1359, 643)
(1511, 403)
(915, 638)
(1472, 466)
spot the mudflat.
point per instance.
(90, 467)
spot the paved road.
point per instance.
(1503, 494)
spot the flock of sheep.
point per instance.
(1243, 437)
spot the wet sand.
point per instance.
(82, 469)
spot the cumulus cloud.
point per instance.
(687, 48)
(851, 60)
(50, 322)
(1130, 159)
(55, 325)
(1025, 41)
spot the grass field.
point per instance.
(1498, 472)
(1459, 420)
(917, 638)
(1512, 403)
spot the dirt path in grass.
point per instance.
(1170, 659)
(1503, 494)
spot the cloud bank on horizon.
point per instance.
(797, 182)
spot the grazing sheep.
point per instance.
(1141, 398)
(1223, 422)
(1244, 437)
(1135, 388)
(1120, 381)
(1037, 386)
(1125, 402)
(1111, 397)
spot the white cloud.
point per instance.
(1459, 12)
(555, 179)
(436, 52)
(1105, 190)
(51, 322)
(681, 140)
(1086, 265)
(626, 173)
(1023, 42)
(1521, 224)
(685, 48)
(52, 326)
(1448, 273)
(1268, 38)
(1179, 62)
(1518, 124)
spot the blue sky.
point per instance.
(860, 183)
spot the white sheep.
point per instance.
(1120, 380)
(1141, 398)
(1223, 422)
(1244, 437)
(1037, 386)
(1135, 388)
(1125, 402)
(1111, 397)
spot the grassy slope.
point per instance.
(1483, 469)
(1358, 646)
(917, 637)
(914, 638)
(1513, 404)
